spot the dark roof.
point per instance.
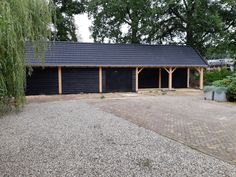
(123, 55)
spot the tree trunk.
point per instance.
(134, 38)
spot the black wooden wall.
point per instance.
(149, 78)
(42, 81)
(86, 80)
(128, 80)
(180, 78)
(80, 80)
(119, 80)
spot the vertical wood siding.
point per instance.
(180, 78)
(119, 80)
(149, 78)
(164, 78)
(42, 81)
(133, 80)
(104, 80)
(80, 80)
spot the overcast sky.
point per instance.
(83, 23)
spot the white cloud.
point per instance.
(83, 23)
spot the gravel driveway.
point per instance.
(207, 126)
(72, 138)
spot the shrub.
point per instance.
(222, 83)
(6, 105)
(208, 88)
(219, 90)
(231, 92)
(227, 85)
(212, 76)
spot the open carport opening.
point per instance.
(158, 78)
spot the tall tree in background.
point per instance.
(225, 45)
(126, 21)
(65, 24)
(21, 21)
(203, 24)
(198, 23)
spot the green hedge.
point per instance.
(212, 76)
(231, 92)
(208, 88)
(222, 83)
(228, 83)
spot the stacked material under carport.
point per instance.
(71, 68)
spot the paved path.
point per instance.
(71, 138)
(207, 126)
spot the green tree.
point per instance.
(20, 21)
(226, 42)
(111, 16)
(193, 22)
(208, 26)
(65, 24)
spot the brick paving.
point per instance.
(204, 125)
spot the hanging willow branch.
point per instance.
(21, 21)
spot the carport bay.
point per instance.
(73, 80)
(98, 68)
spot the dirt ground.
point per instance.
(142, 93)
(182, 115)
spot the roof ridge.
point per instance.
(98, 43)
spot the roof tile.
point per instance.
(98, 54)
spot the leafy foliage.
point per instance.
(231, 92)
(195, 22)
(222, 83)
(229, 84)
(209, 26)
(20, 21)
(65, 24)
(212, 76)
(225, 43)
(219, 90)
(208, 88)
(111, 17)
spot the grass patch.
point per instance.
(102, 97)
(8, 105)
(145, 163)
(5, 106)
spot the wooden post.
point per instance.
(160, 78)
(59, 81)
(201, 78)
(136, 80)
(100, 79)
(170, 79)
(188, 77)
(170, 71)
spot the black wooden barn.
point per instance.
(71, 68)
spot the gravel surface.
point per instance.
(71, 138)
(207, 126)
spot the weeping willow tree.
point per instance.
(21, 21)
